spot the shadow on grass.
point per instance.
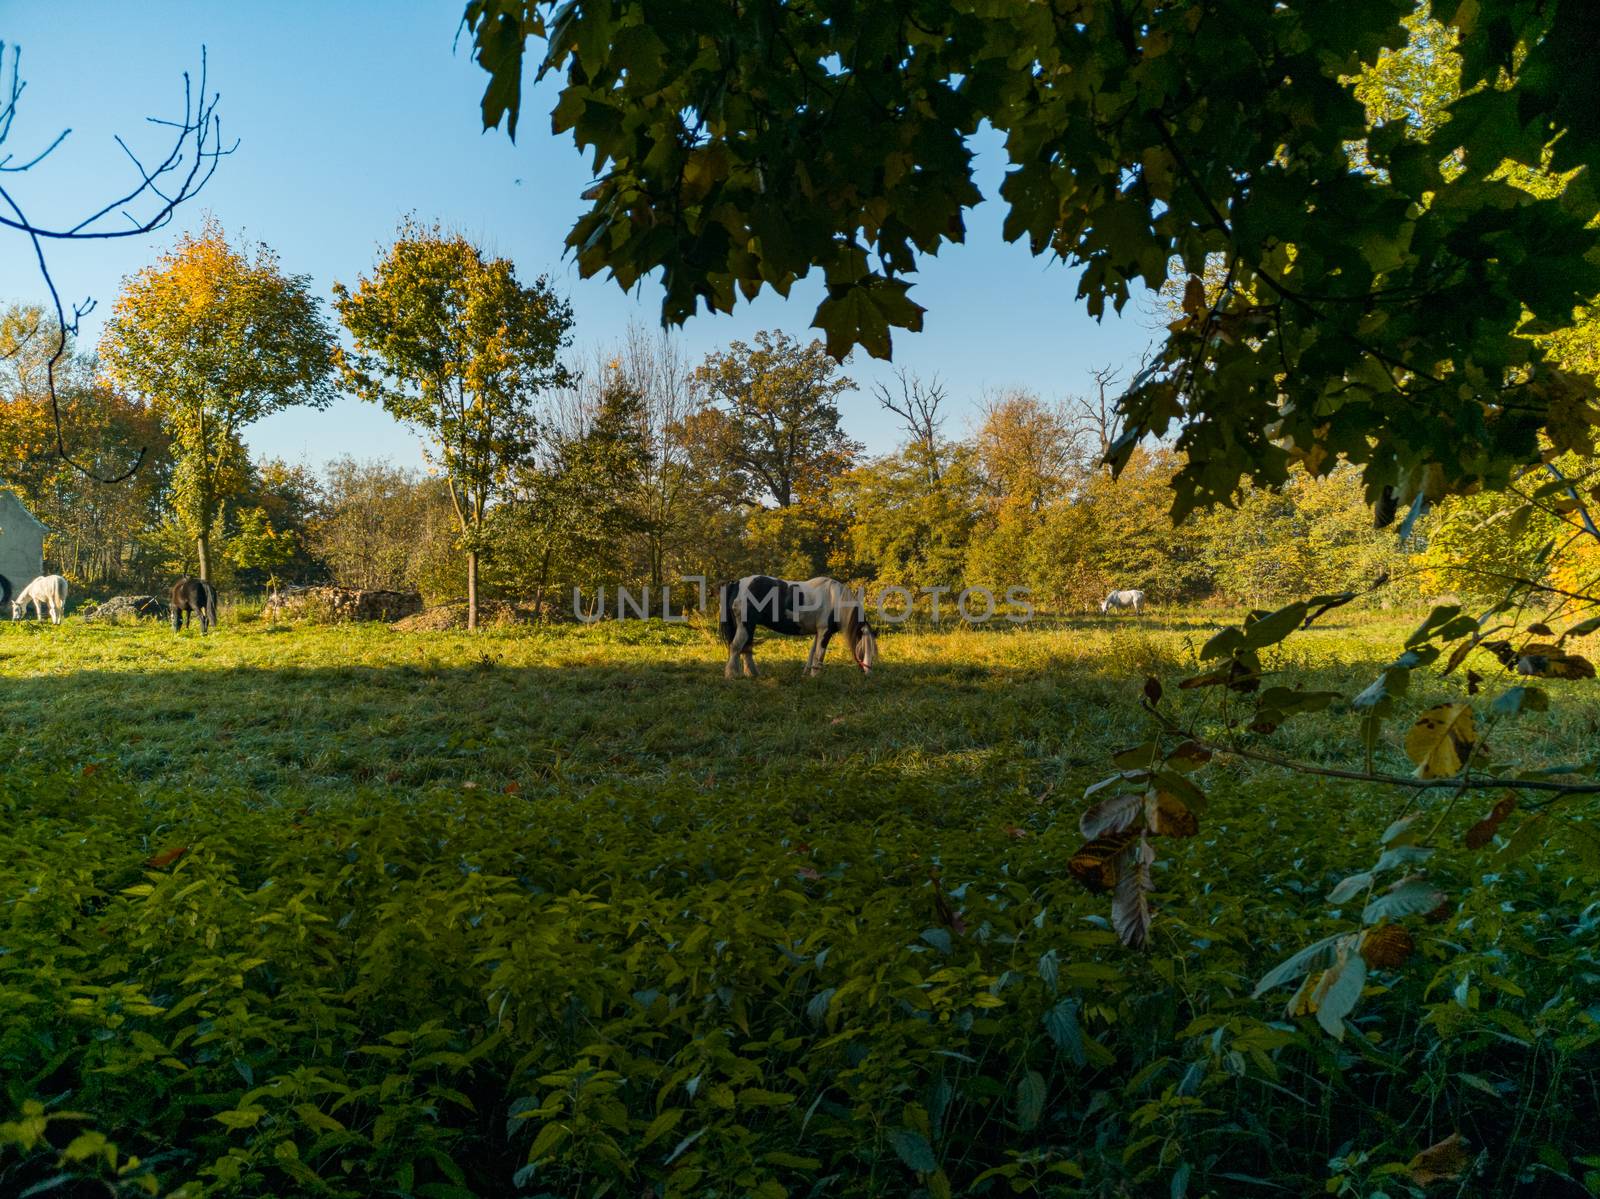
(268, 732)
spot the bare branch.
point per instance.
(917, 405)
(198, 143)
(191, 161)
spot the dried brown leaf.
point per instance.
(1444, 1162)
(1388, 946)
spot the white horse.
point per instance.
(1123, 599)
(820, 606)
(48, 592)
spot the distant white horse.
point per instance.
(1123, 599)
(48, 592)
(820, 607)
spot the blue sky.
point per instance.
(351, 115)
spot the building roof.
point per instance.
(16, 503)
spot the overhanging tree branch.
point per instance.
(189, 163)
(1482, 782)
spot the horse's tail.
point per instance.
(210, 601)
(726, 624)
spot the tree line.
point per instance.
(549, 470)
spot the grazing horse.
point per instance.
(1123, 599)
(196, 597)
(48, 592)
(820, 607)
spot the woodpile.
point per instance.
(336, 605)
(129, 607)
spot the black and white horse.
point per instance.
(197, 598)
(820, 607)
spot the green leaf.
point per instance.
(1408, 897)
(1273, 627)
(1049, 968)
(1030, 1100)
(1583, 628)
(89, 1144)
(1313, 957)
(544, 1144)
(913, 1149)
(1514, 700)
(1061, 1023)
(1349, 888)
(1339, 992)
(792, 1161)
(1222, 643)
(862, 313)
(683, 1145)
(664, 1123)
(1527, 835)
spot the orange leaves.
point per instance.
(166, 857)
(1483, 832)
(1443, 1162)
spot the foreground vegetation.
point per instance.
(347, 911)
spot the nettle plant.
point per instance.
(1226, 712)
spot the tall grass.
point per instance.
(342, 910)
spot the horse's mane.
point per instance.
(852, 624)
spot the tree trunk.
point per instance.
(202, 545)
(472, 589)
(538, 595)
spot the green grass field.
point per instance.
(347, 911)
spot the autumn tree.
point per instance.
(376, 522)
(269, 529)
(450, 342)
(96, 532)
(1309, 536)
(1380, 278)
(1028, 449)
(215, 337)
(579, 508)
(669, 394)
(775, 429)
(910, 527)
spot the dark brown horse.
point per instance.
(197, 598)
